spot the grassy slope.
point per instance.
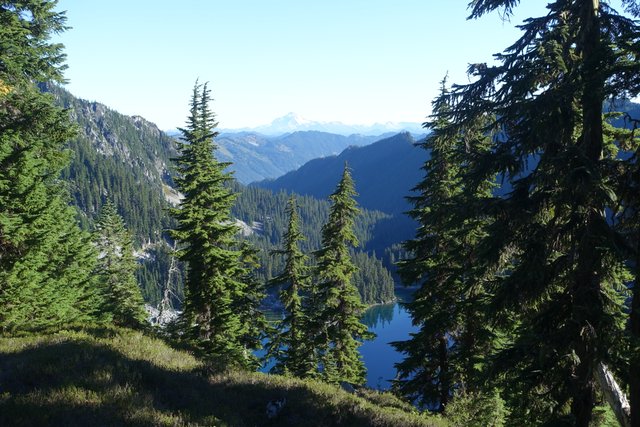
(122, 377)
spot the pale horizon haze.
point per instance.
(353, 61)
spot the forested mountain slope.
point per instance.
(384, 172)
(128, 159)
(264, 210)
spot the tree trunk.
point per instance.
(445, 385)
(587, 308)
(584, 391)
(586, 291)
(614, 395)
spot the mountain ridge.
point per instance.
(384, 172)
(255, 157)
(128, 159)
(292, 122)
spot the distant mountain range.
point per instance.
(384, 173)
(293, 122)
(256, 157)
(270, 151)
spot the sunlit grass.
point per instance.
(123, 377)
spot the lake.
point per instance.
(390, 322)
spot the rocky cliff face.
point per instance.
(125, 158)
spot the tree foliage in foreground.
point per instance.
(116, 269)
(553, 260)
(335, 303)
(452, 337)
(291, 346)
(219, 308)
(45, 260)
(267, 210)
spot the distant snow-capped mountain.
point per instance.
(293, 122)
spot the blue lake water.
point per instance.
(390, 322)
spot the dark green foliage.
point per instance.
(441, 356)
(628, 188)
(216, 315)
(248, 304)
(266, 213)
(335, 304)
(291, 346)
(153, 276)
(385, 171)
(127, 158)
(553, 262)
(116, 269)
(45, 260)
(372, 280)
(27, 54)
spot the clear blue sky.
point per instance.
(355, 61)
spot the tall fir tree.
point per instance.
(634, 312)
(214, 291)
(441, 356)
(629, 181)
(336, 306)
(116, 269)
(45, 260)
(291, 346)
(247, 303)
(557, 269)
(627, 173)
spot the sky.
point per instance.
(353, 61)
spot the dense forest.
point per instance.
(265, 210)
(525, 254)
(128, 160)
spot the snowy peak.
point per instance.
(293, 122)
(290, 122)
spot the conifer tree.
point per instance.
(441, 355)
(634, 312)
(291, 346)
(247, 304)
(336, 304)
(628, 188)
(556, 263)
(214, 291)
(116, 269)
(45, 260)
